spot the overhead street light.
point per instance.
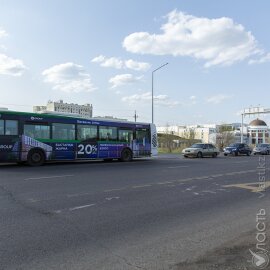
(153, 88)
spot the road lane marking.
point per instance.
(114, 189)
(112, 198)
(217, 175)
(253, 187)
(165, 183)
(48, 177)
(209, 191)
(81, 207)
(142, 186)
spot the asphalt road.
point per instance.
(160, 213)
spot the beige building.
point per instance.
(85, 111)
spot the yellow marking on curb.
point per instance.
(253, 187)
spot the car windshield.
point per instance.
(196, 145)
(234, 145)
(261, 145)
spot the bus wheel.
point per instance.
(126, 155)
(35, 158)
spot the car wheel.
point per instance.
(214, 155)
(185, 156)
(235, 154)
(199, 155)
(126, 155)
(268, 152)
(225, 155)
(248, 153)
(35, 158)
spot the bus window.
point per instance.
(2, 131)
(11, 127)
(142, 135)
(125, 135)
(107, 133)
(37, 131)
(86, 132)
(63, 131)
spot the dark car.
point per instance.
(237, 149)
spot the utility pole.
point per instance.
(135, 116)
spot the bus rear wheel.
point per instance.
(35, 158)
(126, 155)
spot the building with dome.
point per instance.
(258, 131)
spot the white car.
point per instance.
(262, 148)
(201, 150)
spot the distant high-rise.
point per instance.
(66, 108)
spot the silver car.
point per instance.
(262, 148)
(201, 150)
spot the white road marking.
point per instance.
(114, 189)
(165, 183)
(48, 177)
(217, 175)
(142, 186)
(201, 177)
(81, 207)
(77, 194)
(112, 198)
(196, 193)
(209, 191)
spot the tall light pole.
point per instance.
(153, 89)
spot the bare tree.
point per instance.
(190, 137)
(225, 136)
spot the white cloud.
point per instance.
(3, 33)
(263, 59)
(218, 41)
(217, 99)
(11, 66)
(117, 63)
(68, 77)
(193, 100)
(162, 100)
(141, 66)
(8, 65)
(123, 79)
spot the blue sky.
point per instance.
(103, 52)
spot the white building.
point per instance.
(255, 132)
(258, 131)
(198, 132)
(85, 111)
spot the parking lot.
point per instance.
(160, 213)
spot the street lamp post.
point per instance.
(153, 89)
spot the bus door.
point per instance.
(126, 138)
(143, 141)
(9, 140)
